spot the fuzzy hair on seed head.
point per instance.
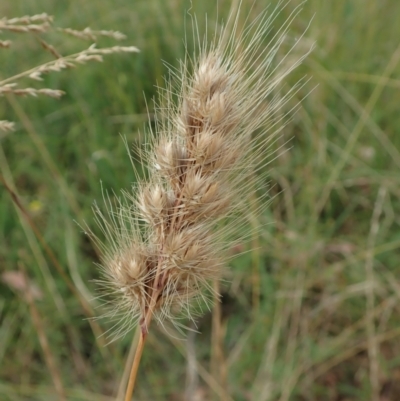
(167, 239)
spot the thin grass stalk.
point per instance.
(135, 366)
(255, 254)
(218, 366)
(144, 327)
(128, 366)
(203, 373)
(357, 130)
(43, 341)
(87, 309)
(373, 348)
(44, 153)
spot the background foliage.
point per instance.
(312, 313)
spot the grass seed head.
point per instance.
(202, 164)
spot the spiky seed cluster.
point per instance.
(199, 168)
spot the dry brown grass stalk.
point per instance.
(43, 23)
(167, 240)
(43, 340)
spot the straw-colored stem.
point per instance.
(142, 339)
(135, 366)
(128, 366)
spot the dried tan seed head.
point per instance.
(203, 161)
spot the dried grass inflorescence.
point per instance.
(167, 240)
(43, 23)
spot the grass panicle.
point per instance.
(169, 238)
(170, 235)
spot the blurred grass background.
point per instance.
(313, 313)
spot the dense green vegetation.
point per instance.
(312, 313)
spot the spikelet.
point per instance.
(167, 239)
